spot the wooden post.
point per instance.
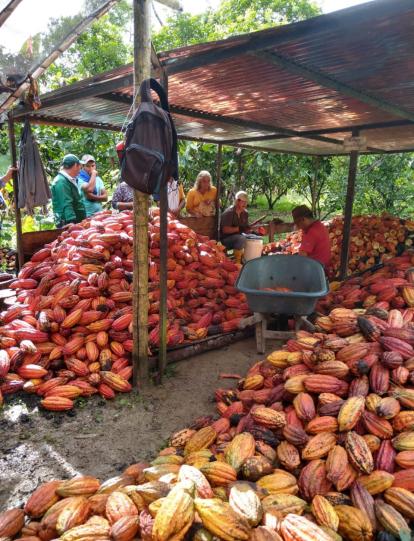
(17, 215)
(162, 353)
(349, 203)
(142, 71)
(218, 175)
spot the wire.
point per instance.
(156, 14)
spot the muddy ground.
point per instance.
(102, 437)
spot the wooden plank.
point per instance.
(218, 183)
(279, 335)
(36, 240)
(203, 226)
(17, 214)
(142, 71)
(202, 346)
(162, 353)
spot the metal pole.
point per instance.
(218, 175)
(162, 353)
(349, 203)
(142, 71)
(17, 215)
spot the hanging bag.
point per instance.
(150, 155)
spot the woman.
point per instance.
(123, 197)
(201, 200)
(176, 197)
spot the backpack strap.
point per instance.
(145, 93)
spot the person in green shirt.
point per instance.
(67, 202)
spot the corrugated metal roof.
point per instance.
(308, 84)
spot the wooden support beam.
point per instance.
(219, 162)
(328, 81)
(17, 215)
(59, 48)
(142, 71)
(162, 353)
(8, 10)
(349, 203)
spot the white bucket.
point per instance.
(253, 248)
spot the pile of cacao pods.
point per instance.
(70, 332)
(315, 443)
(374, 239)
(388, 287)
(8, 259)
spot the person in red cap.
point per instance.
(123, 196)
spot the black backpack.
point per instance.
(150, 155)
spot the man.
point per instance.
(3, 181)
(315, 236)
(67, 202)
(91, 186)
(234, 225)
(7, 177)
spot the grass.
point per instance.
(282, 209)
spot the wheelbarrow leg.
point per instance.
(302, 322)
(261, 327)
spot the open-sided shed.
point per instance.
(299, 88)
(306, 88)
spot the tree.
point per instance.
(272, 175)
(103, 46)
(312, 182)
(231, 17)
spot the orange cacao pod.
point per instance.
(319, 446)
(42, 499)
(322, 424)
(57, 403)
(11, 522)
(313, 480)
(376, 482)
(359, 453)
(336, 463)
(287, 455)
(268, 417)
(350, 412)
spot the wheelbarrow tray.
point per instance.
(304, 276)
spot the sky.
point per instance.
(28, 19)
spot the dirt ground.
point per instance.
(101, 437)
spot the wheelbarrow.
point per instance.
(305, 280)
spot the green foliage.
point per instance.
(103, 46)
(232, 17)
(385, 183)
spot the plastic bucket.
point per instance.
(253, 248)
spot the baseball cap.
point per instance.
(70, 160)
(242, 195)
(87, 158)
